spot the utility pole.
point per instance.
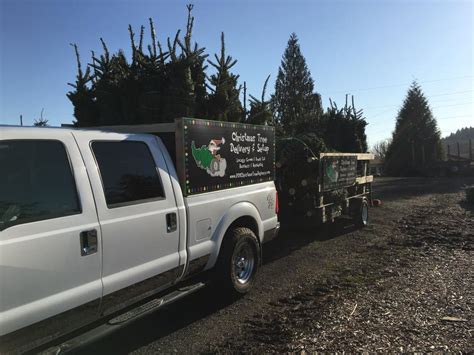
(245, 102)
(470, 149)
(423, 155)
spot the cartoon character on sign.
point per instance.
(207, 157)
(331, 172)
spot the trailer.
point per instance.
(337, 184)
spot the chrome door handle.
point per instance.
(88, 242)
(171, 222)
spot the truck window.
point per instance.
(36, 182)
(128, 171)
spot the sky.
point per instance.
(372, 49)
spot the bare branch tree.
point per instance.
(380, 148)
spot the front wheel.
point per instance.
(238, 261)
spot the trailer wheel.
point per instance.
(238, 261)
(361, 215)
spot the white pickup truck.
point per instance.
(95, 222)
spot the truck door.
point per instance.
(137, 213)
(50, 260)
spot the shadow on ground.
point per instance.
(204, 302)
(208, 301)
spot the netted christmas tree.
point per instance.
(297, 160)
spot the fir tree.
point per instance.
(41, 122)
(260, 112)
(224, 103)
(344, 129)
(153, 86)
(296, 107)
(416, 140)
(83, 98)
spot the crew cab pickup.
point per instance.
(93, 222)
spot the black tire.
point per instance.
(239, 243)
(361, 213)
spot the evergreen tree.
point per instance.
(224, 103)
(296, 107)
(344, 129)
(260, 112)
(416, 140)
(186, 94)
(41, 122)
(83, 98)
(153, 86)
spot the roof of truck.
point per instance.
(43, 132)
(141, 128)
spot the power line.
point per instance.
(435, 107)
(449, 117)
(459, 104)
(438, 119)
(452, 93)
(398, 85)
(429, 101)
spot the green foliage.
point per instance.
(463, 134)
(416, 140)
(344, 129)
(224, 103)
(154, 86)
(297, 172)
(296, 107)
(260, 111)
(41, 122)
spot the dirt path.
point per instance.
(414, 293)
(388, 287)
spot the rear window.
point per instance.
(36, 182)
(128, 172)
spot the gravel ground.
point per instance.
(404, 283)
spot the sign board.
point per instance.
(338, 171)
(219, 155)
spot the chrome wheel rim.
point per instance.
(365, 213)
(243, 263)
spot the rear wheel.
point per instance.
(361, 215)
(238, 261)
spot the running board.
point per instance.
(122, 320)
